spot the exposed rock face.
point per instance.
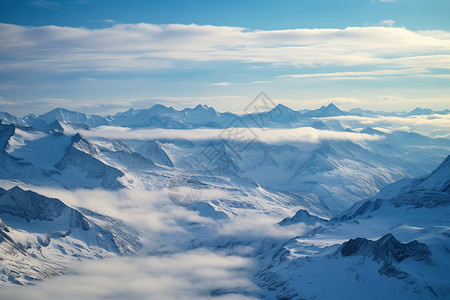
(387, 250)
(32, 206)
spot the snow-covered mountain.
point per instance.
(203, 116)
(41, 236)
(83, 159)
(308, 213)
(54, 159)
(66, 116)
(153, 151)
(398, 240)
(330, 110)
(324, 177)
(160, 116)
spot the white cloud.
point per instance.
(266, 135)
(423, 120)
(5, 102)
(388, 23)
(197, 274)
(389, 99)
(376, 74)
(149, 211)
(431, 125)
(262, 226)
(57, 101)
(125, 47)
(221, 83)
(45, 4)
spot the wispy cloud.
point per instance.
(45, 4)
(57, 101)
(388, 23)
(376, 74)
(221, 83)
(4, 101)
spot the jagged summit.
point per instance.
(161, 116)
(420, 111)
(82, 144)
(32, 206)
(69, 117)
(388, 251)
(83, 158)
(203, 107)
(330, 110)
(7, 118)
(282, 108)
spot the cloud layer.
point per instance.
(434, 125)
(198, 274)
(125, 47)
(266, 135)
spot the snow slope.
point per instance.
(40, 237)
(398, 240)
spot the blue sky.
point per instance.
(106, 56)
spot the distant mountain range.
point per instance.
(160, 116)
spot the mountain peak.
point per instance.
(81, 144)
(33, 206)
(203, 107)
(387, 249)
(16, 189)
(281, 107)
(58, 111)
(332, 106)
(77, 137)
(302, 216)
(158, 107)
(420, 111)
(330, 110)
